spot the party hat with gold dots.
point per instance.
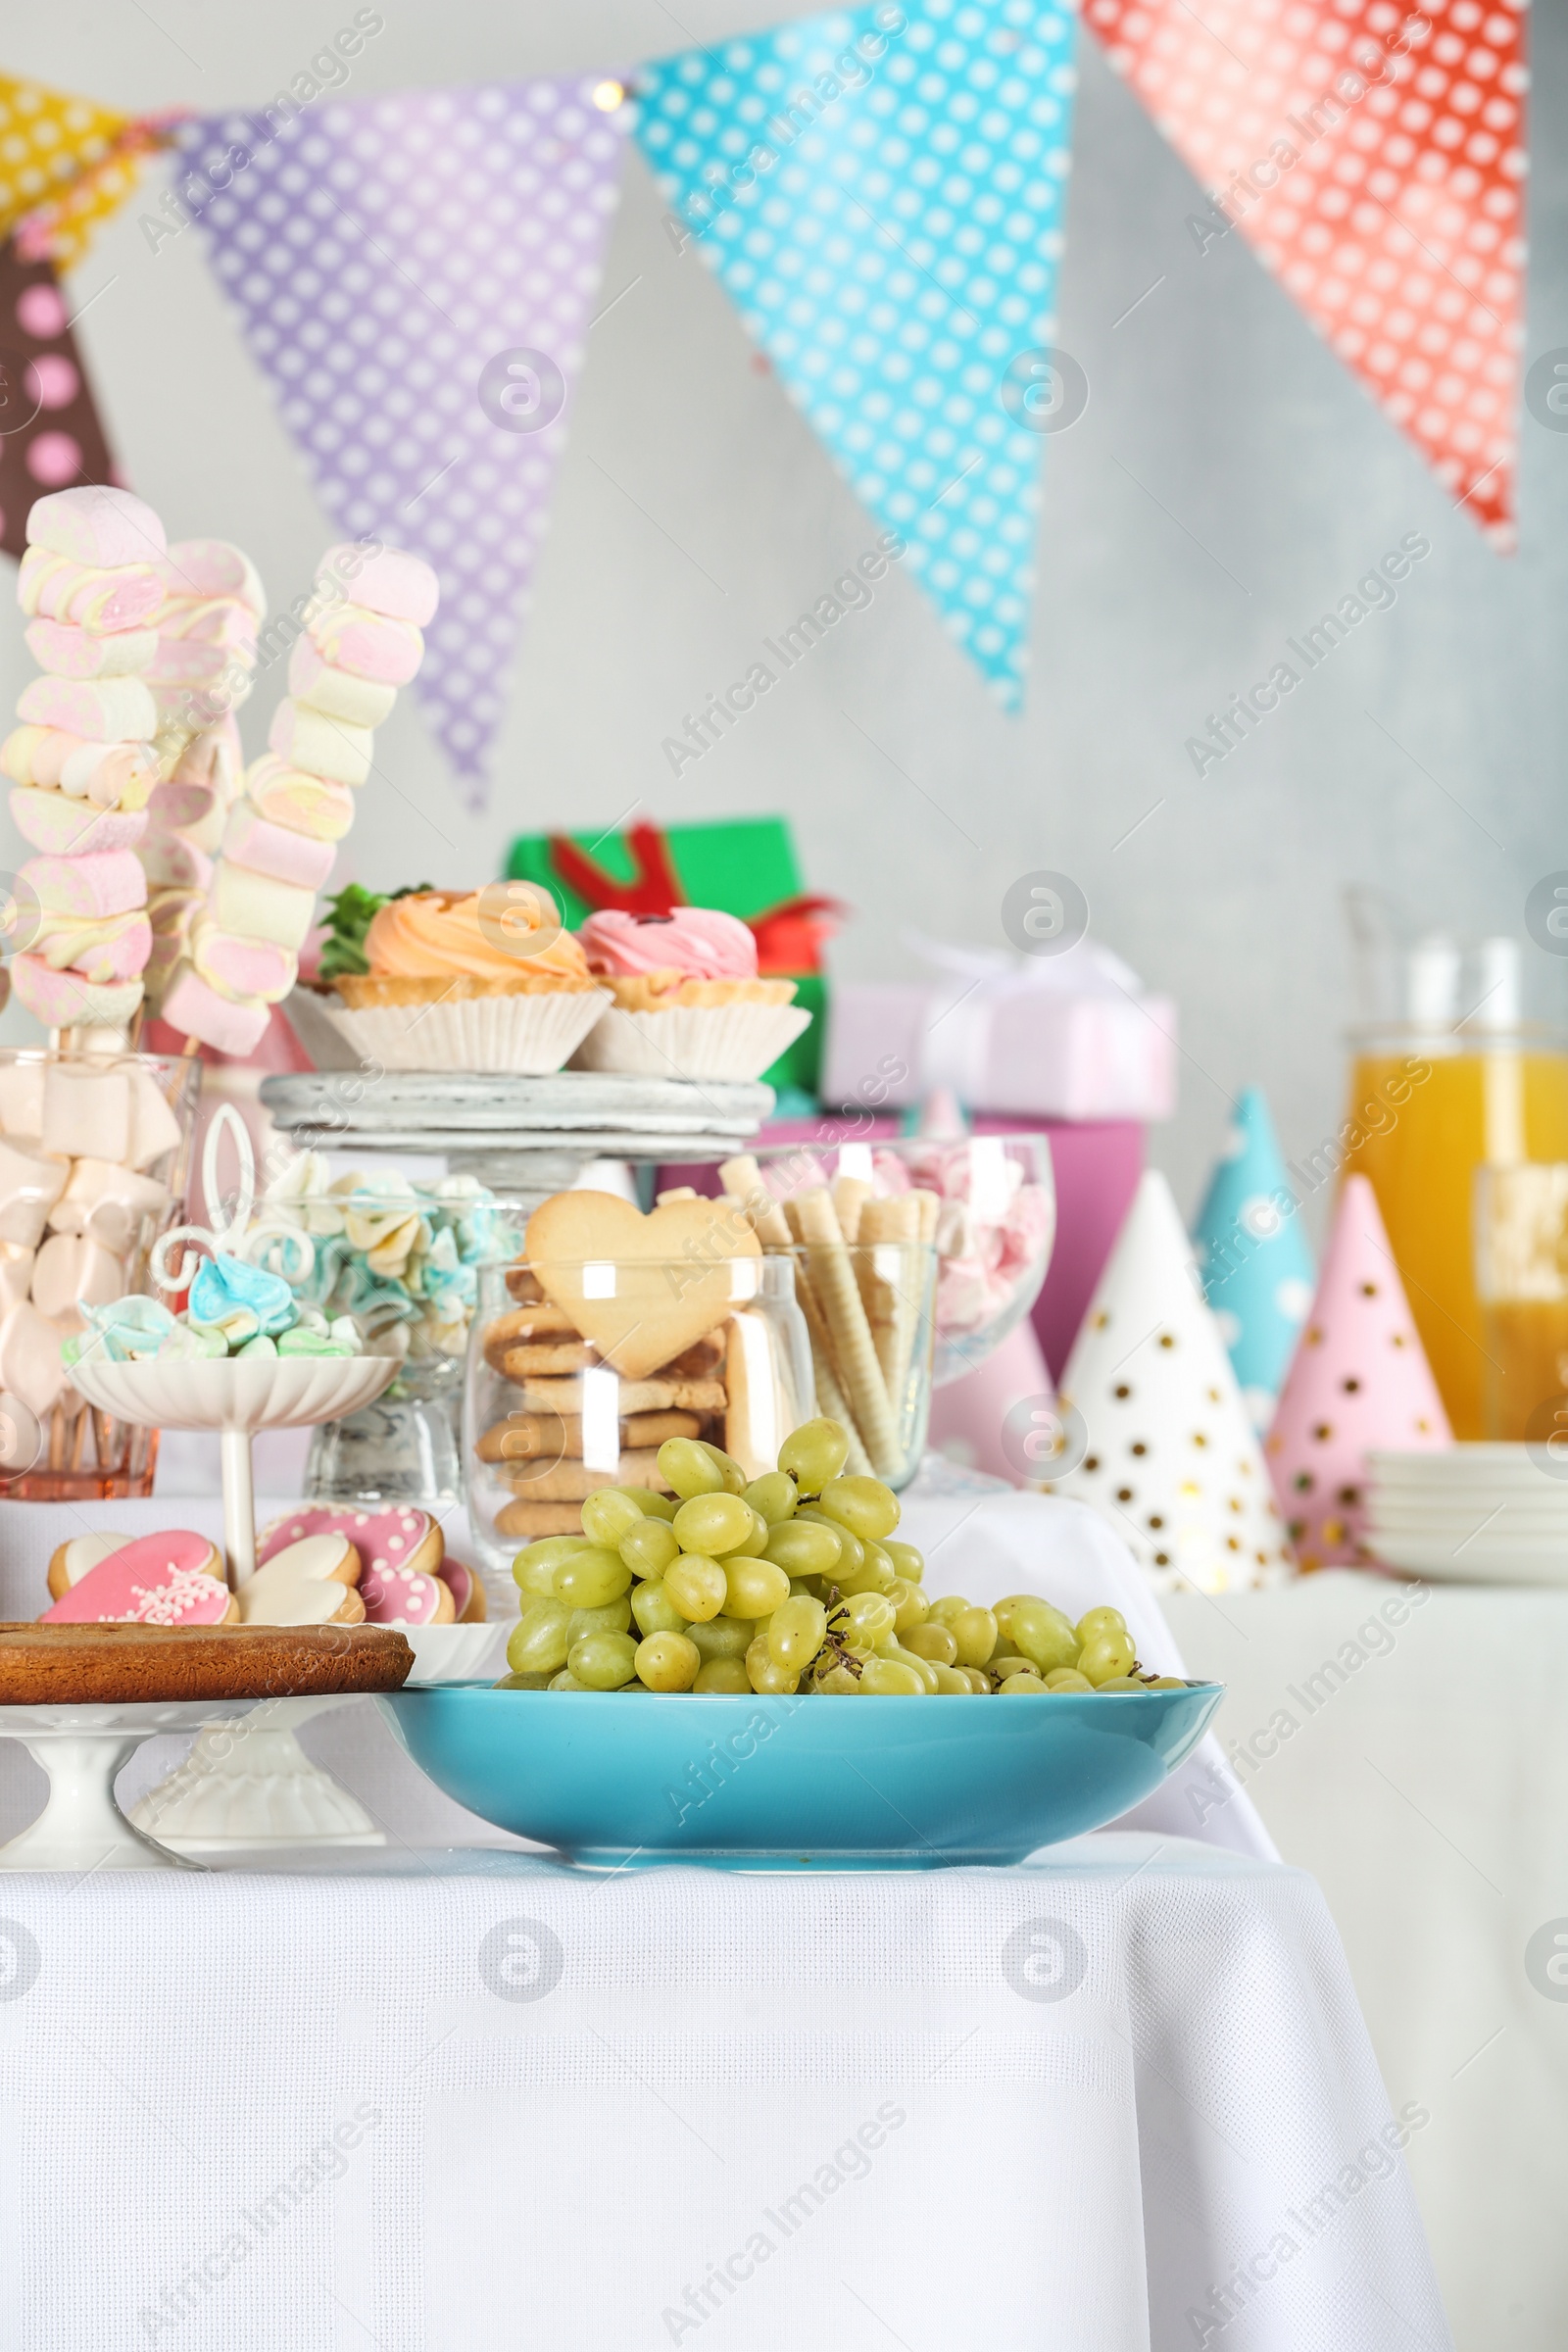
(1361, 1379)
(1166, 1450)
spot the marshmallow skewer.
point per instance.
(82, 758)
(278, 842)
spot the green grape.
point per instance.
(890, 1678)
(690, 1468)
(766, 1675)
(715, 1524)
(613, 1617)
(534, 1567)
(1067, 1678)
(591, 1578)
(522, 1682)
(796, 1632)
(976, 1632)
(803, 1548)
(649, 1547)
(868, 1615)
(652, 1505)
(727, 1675)
(1166, 1682)
(654, 1610)
(1017, 1685)
(865, 1506)
(1104, 1660)
(1097, 1622)
(774, 1496)
(1119, 1682)
(873, 1575)
(948, 1606)
(840, 1682)
(1043, 1634)
(910, 1606)
(721, 1637)
(933, 1641)
(728, 1468)
(908, 1562)
(1002, 1610)
(1007, 1662)
(923, 1667)
(953, 1682)
(852, 1551)
(565, 1680)
(751, 1547)
(667, 1662)
(811, 1585)
(608, 1515)
(696, 1585)
(602, 1661)
(753, 1587)
(815, 1453)
(539, 1641)
(977, 1678)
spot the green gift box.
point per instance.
(743, 865)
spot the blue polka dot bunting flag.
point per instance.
(1253, 1256)
(881, 194)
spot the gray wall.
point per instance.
(1227, 480)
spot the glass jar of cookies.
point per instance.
(575, 1386)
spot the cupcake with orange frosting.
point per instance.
(688, 1001)
(466, 980)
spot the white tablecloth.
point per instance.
(1122, 2103)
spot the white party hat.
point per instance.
(1164, 1446)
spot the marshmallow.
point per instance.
(310, 805)
(324, 747)
(213, 569)
(64, 1001)
(253, 906)
(172, 862)
(268, 849)
(54, 588)
(87, 1110)
(73, 1270)
(102, 709)
(106, 773)
(22, 1101)
(30, 1368)
(241, 968)
(48, 820)
(112, 947)
(105, 1201)
(215, 758)
(188, 661)
(154, 1128)
(110, 882)
(369, 644)
(391, 581)
(338, 692)
(196, 1008)
(15, 1275)
(72, 653)
(96, 525)
(29, 1186)
(180, 807)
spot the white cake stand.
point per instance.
(82, 1749)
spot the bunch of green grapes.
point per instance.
(792, 1582)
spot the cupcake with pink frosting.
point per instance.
(688, 1002)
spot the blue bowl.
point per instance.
(792, 1784)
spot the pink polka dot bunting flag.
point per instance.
(1372, 153)
(1359, 1383)
(415, 277)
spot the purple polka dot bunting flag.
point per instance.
(415, 277)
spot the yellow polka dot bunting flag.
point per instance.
(65, 165)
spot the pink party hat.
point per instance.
(1359, 1380)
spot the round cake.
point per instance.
(77, 1665)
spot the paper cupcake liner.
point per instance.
(519, 1036)
(691, 1040)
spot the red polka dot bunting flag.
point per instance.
(1373, 155)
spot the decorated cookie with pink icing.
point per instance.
(400, 1536)
(176, 1577)
(406, 1596)
(467, 1593)
(69, 1562)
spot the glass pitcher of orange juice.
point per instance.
(1447, 1091)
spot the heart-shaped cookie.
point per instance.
(641, 1288)
(400, 1536)
(69, 1562)
(406, 1596)
(307, 1583)
(172, 1579)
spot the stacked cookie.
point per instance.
(536, 1449)
(281, 838)
(84, 758)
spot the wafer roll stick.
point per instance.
(929, 1205)
(829, 1395)
(888, 1277)
(850, 1197)
(742, 1177)
(832, 1278)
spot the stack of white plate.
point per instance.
(1476, 1515)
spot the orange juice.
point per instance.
(1425, 1114)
